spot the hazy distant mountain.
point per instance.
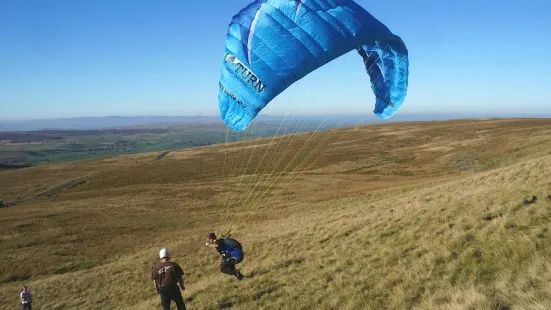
(87, 123)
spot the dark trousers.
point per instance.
(227, 266)
(26, 307)
(174, 294)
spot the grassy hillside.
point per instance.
(427, 215)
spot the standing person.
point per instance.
(26, 299)
(231, 252)
(166, 276)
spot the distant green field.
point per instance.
(20, 149)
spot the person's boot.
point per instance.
(239, 275)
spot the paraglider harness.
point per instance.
(231, 250)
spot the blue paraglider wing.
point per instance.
(273, 43)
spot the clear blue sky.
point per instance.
(69, 58)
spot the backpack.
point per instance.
(232, 243)
(233, 248)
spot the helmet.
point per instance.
(164, 253)
(212, 236)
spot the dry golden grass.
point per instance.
(376, 217)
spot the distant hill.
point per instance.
(89, 123)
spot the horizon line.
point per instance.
(455, 114)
